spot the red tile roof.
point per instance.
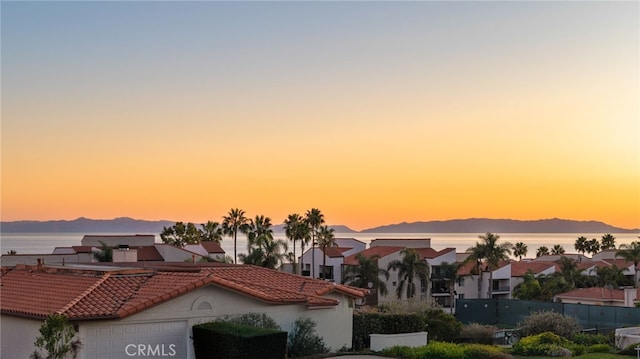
(102, 292)
(212, 247)
(519, 269)
(81, 249)
(381, 251)
(430, 253)
(333, 252)
(148, 253)
(600, 294)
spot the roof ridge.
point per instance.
(84, 294)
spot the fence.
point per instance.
(508, 312)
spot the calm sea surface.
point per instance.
(37, 243)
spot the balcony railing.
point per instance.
(501, 288)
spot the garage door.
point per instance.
(145, 340)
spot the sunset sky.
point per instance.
(373, 112)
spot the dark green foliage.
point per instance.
(477, 333)
(546, 343)
(599, 348)
(591, 339)
(256, 320)
(228, 340)
(444, 350)
(57, 339)
(547, 321)
(365, 324)
(303, 339)
(441, 326)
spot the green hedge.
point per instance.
(444, 350)
(234, 341)
(365, 324)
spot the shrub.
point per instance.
(545, 321)
(591, 339)
(441, 350)
(400, 352)
(540, 344)
(56, 338)
(599, 348)
(473, 351)
(441, 326)
(303, 339)
(477, 333)
(229, 340)
(256, 320)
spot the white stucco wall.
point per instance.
(175, 254)
(17, 336)
(32, 259)
(166, 323)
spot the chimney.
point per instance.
(40, 263)
(630, 295)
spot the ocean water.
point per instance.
(40, 243)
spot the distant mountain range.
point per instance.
(471, 225)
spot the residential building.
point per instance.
(115, 308)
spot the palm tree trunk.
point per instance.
(324, 265)
(235, 247)
(302, 257)
(313, 256)
(295, 269)
(490, 286)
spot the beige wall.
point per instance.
(17, 336)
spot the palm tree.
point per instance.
(557, 250)
(608, 242)
(258, 229)
(296, 230)
(609, 277)
(570, 272)
(233, 223)
(314, 219)
(631, 253)
(477, 254)
(449, 274)
(581, 244)
(366, 274)
(542, 251)
(326, 239)
(529, 289)
(592, 246)
(105, 254)
(267, 252)
(520, 250)
(212, 232)
(493, 253)
(410, 267)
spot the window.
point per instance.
(328, 272)
(461, 282)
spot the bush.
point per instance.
(545, 321)
(228, 340)
(591, 339)
(540, 344)
(599, 348)
(400, 352)
(441, 326)
(303, 339)
(441, 350)
(256, 320)
(473, 351)
(477, 333)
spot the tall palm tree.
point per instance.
(366, 274)
(581, 244)
(212, 232)
(477, 255)
(557, 249)
(608, 242)
(258, 229)
(520, 250)
(326, 239)
(314, 219)
(493, 253)
(631, 253)
(409, 267)
(449, 274)
(266, 252)
(570, 272)
(296, 230)
(233, 223)
(542, 251)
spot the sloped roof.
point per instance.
(519, 269)
(595, 293)
(381, 251)
(100, 292)
(334, 252)
(148, 253)
(430, 253)
(212, 247)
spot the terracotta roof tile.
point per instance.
(381, 251)
(519, 269)
(595, 294)
(212, 247)
(104, 292)
(334, 252)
